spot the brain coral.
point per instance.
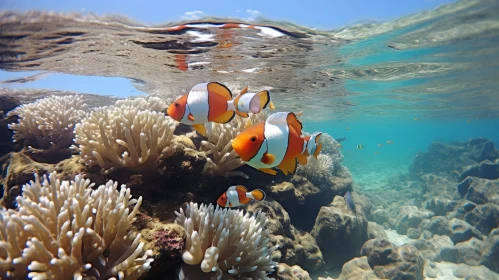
(67, 230)
(48, 123)
(123, 137)
(226, 242)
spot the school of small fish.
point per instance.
(277, 142)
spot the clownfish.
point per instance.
(252, 102)
(276, 142)
(207, 102)
(238, 195)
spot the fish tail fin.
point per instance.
(258, 194)
(260, 101)
(314, 147)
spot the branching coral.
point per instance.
(65, 230)
(150, 103)
(226, 241)
(222, 158)
(123, 137)
(47, 124)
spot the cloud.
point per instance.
(253, 14)
(193, 15)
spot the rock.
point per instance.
(485, 169)
(182, 160)
(431, 248)
(393, 262)
(462, 207)
(380, 216)
(490, 254)
(413, 233)
(285, 272)
(481, 191)
(339, 233)
(295, 246)
(357, 268)
(410, 217)
(375, 231)
(17, 169)
(484, 217)
(7, 103)
(441, 186)
(440, 205)
(467, 252)
(436, 225)
(462, 231)
(473, 272)
(426, 234)
(445, 158)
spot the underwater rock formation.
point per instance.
(64, 229)
(295, 247)
(452, 159)
(7, 103)
(286, 272)
(349, 230)
(393, 262)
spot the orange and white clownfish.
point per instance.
(276, 142)
(205, 102)
(252, 102)
(238, 195)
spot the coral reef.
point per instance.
(123, 137)
(47, 124)
(65, 229)
(225, 242)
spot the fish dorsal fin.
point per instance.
(218, 88)
(294, 123)
(241, 188)
(278, 119)
(244, 90)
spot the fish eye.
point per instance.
(253, 138)
(176, 104)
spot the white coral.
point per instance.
(150, 103)
(67, 230)
(318, 170)
(226, 241)
(123, 137)
(48, 123)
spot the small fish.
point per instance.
(277, 142)
(207, 102)
(360, 146)
(348, 128)
(468, 121)
(339, 145)
(389, 142)
(380, 145)
(349, 202)
(238, 195)
(252, 102)
(416, 119)
(376, 153)
(339, 140)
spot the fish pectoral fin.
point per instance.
(303, 159)
(245, 200)
(268, 171)
(225, 117)
(191, 117)
(271, 105)
(288, 166)
(230, 204)
(218, 88)
(201, 129)
(268, 158)
(245, 90)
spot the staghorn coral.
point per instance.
(47, 124)
(65, 230)
(222, 159)
(123, 137)
(226, 242)
(150, 103)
